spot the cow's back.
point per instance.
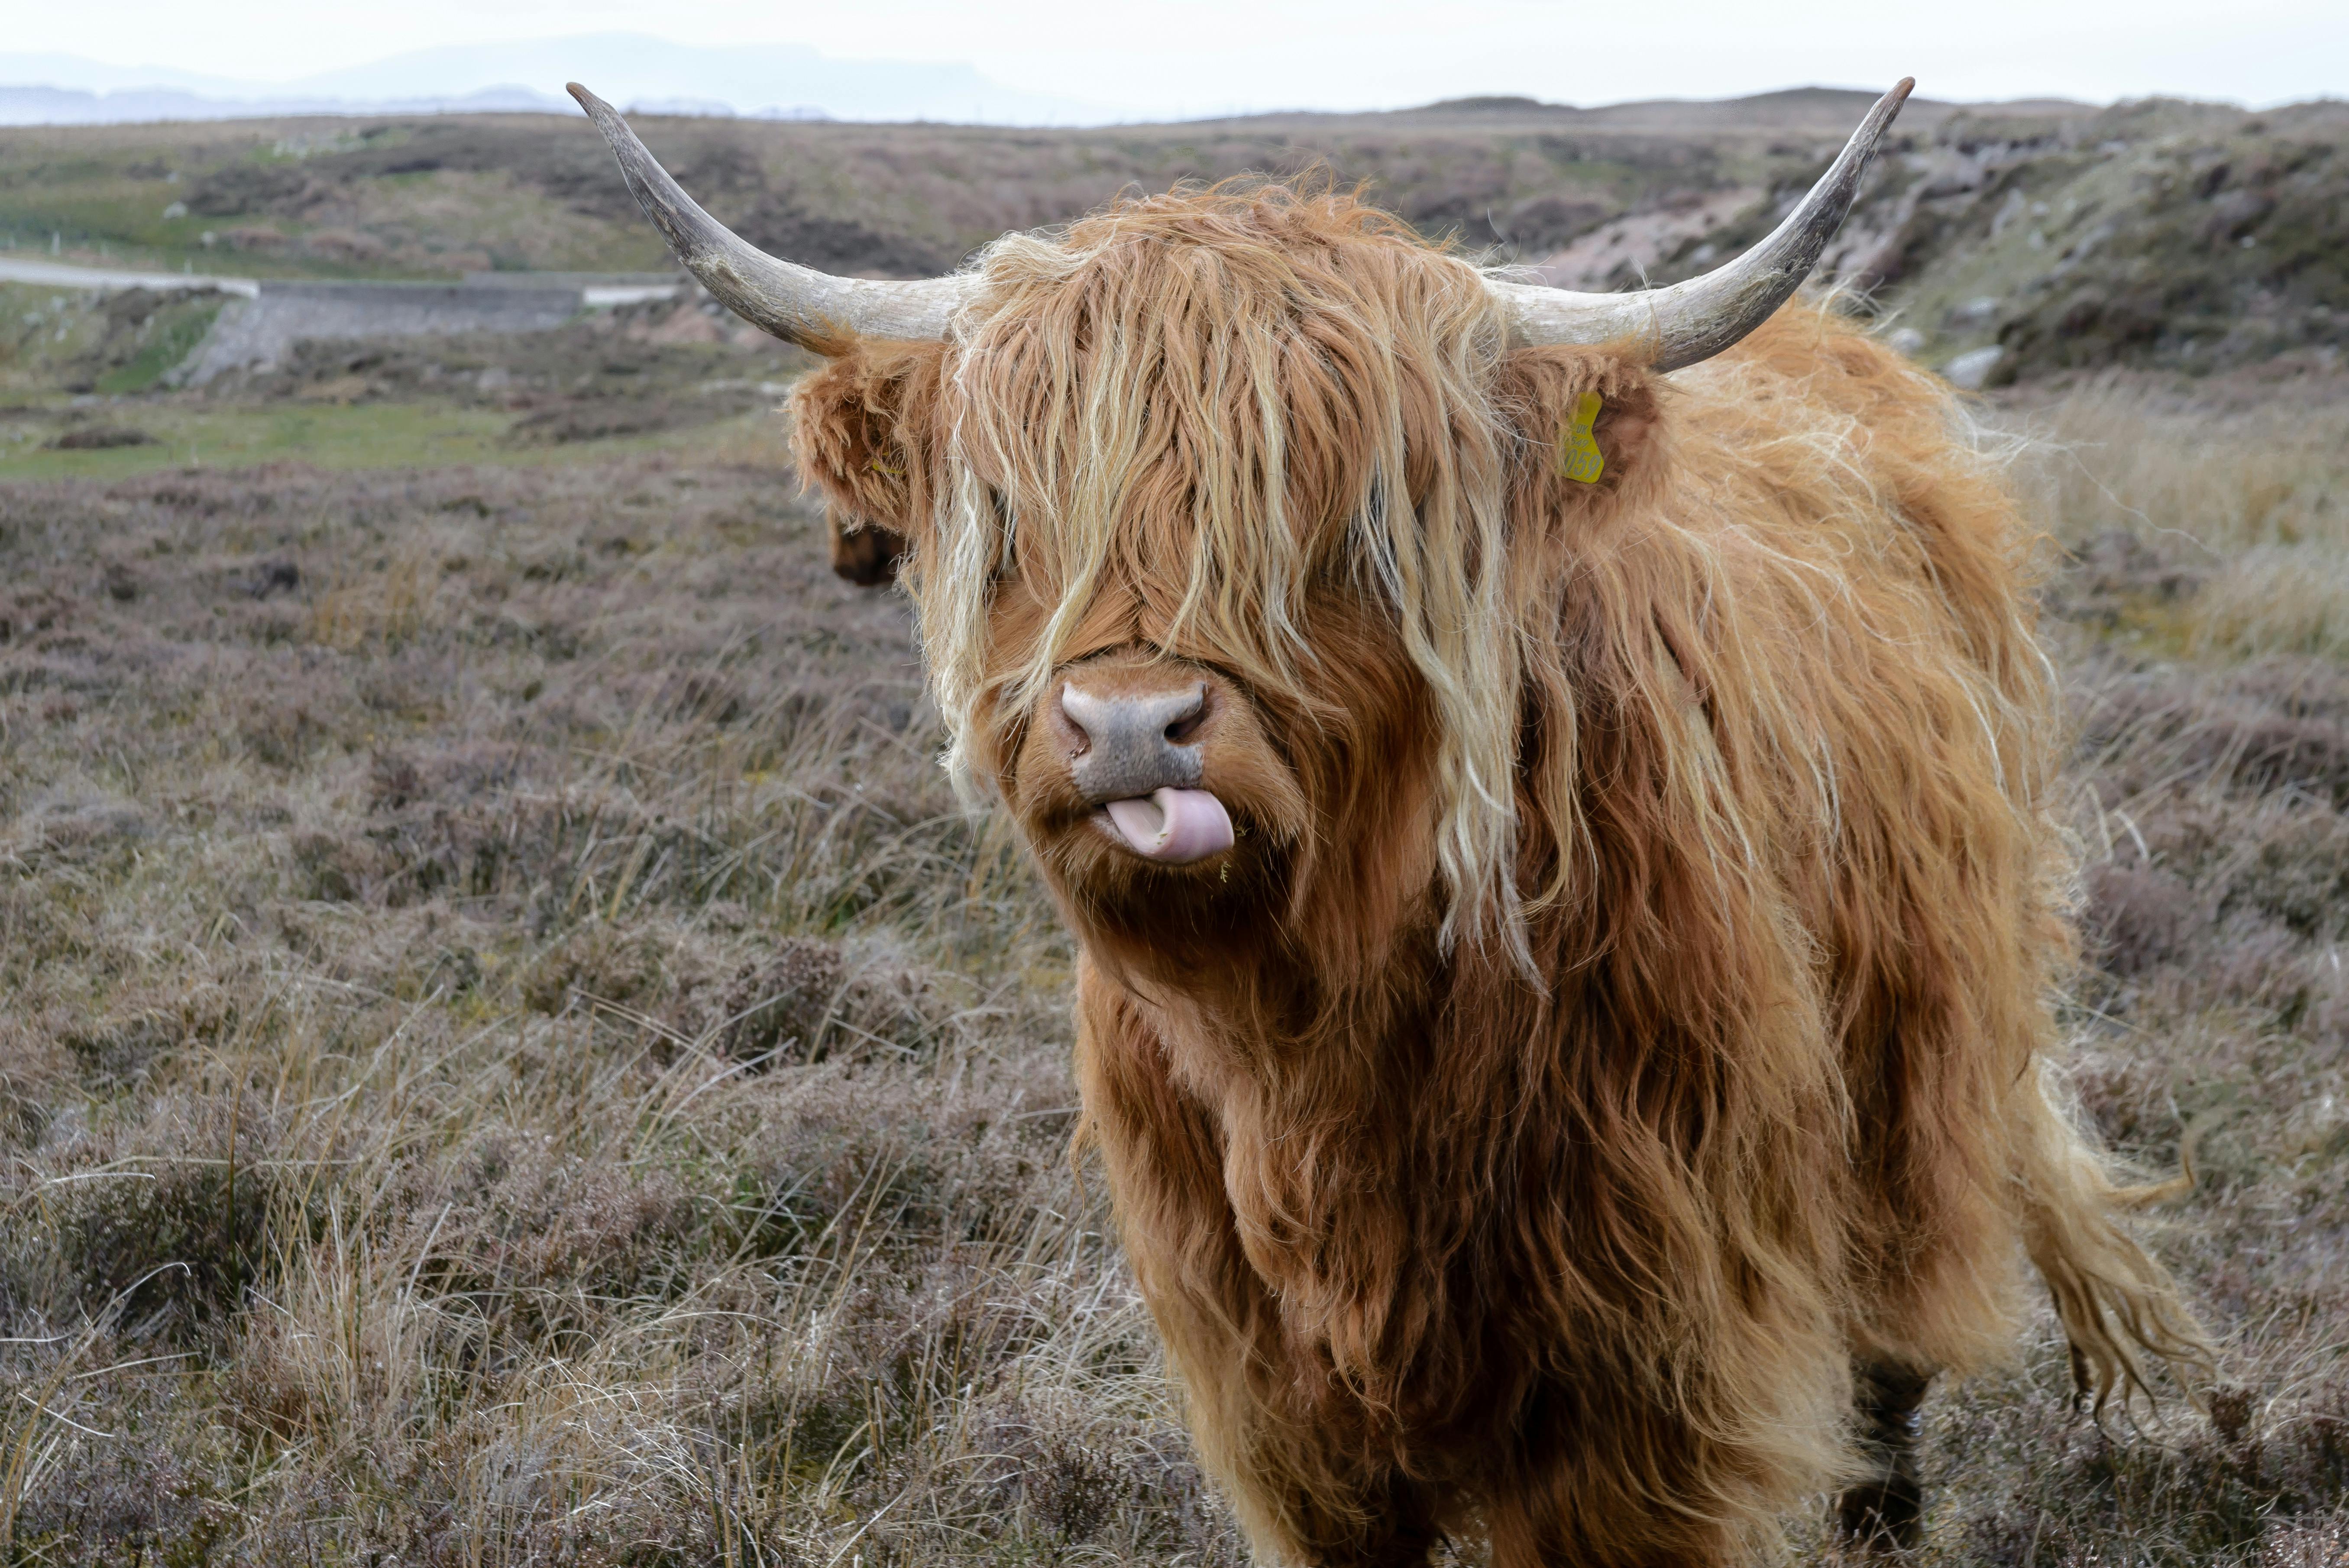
(1875, 673)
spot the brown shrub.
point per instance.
(101, 438)
(811, 1000)
(597, 964)
(2299, 877)
(171, 1235)
(331, 867)
(2136, 918)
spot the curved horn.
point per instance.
(798, 304)
(1697, 319)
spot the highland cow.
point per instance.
(1556, 795)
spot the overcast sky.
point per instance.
(1160, 57)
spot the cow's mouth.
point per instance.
(1173, 827)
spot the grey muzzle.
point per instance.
(1128, 751)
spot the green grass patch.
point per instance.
(356, 436)
(362, 436)
(171, 338)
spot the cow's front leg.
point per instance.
(1887, 1508)
(1309, 1486)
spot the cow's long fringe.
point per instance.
(1131, 412)
(1749, 748)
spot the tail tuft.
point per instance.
(2118, 1304)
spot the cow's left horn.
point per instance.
(798, 304)
(1697, 319)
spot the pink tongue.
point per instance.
(1176, 826)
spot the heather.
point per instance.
(513, 1052)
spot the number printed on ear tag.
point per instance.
(1578, 450)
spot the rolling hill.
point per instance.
(2163, 233)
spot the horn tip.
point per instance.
(1887, 109)
(586, 99)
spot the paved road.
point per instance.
(56, 275)
(594, 290)
(261, 333)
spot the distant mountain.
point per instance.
(764, 82)
(74, 72)
(74, 106)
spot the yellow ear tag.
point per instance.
(1578, 450)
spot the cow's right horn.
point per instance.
(798, 304)
(1697, 319)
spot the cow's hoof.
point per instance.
(1888, 1513)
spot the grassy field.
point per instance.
(512, 1054)
(331, 435)
(86, 404)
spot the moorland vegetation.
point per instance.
(512, 1053)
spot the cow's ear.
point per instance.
(865, 552)
(863, 433)
(1590, 426)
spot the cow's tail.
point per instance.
(2120, 1308)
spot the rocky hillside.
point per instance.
(2168, 235)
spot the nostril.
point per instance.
(1074, 707)
(1187, 725)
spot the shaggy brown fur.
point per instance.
(1626, 1006)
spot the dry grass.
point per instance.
(2228, 464)
(510, 1055)
(2231, 495)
